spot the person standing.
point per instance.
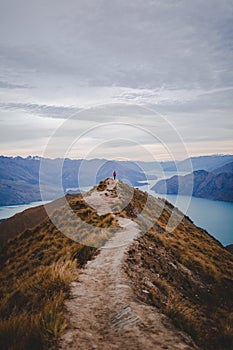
(114, 174)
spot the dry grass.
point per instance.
(37, 268)
(187, 273)
(101, 186)
(31, 311)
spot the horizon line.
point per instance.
(116, 160)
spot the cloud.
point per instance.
(7, 85)
(126, 44)
(179, 99)
(173, 57)
(62, 112)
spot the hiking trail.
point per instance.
(103, 311)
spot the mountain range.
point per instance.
(208, 163)
(216, 185)
(19, 177)
(174, 287)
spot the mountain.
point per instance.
(37, 266)
(208, 163)
(227, 168)
(19, 177)
(18, 180)
(230, 248)
(183, 273)
(205, 185)
(28, 219)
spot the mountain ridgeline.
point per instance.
(185, 273)
(212, 178)
(200, 183)
(20, 177)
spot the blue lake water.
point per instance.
(214, 216)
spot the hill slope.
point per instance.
(36, 268)
(186, 273)
(227, 168)
(28, 219)
(120, 299)
(104, 294)
(205, 185)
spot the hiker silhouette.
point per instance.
(114, 174)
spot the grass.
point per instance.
(37, 268)
(101, 186)
(32, 305)
(188, 274)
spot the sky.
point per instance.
(135, 79)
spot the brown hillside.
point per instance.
(27, 219)
(37, 267)
(186, 273)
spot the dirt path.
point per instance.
(101, 201)
(104, 313)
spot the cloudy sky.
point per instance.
(162, 69)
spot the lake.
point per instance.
(214, 216)
(10, 210)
